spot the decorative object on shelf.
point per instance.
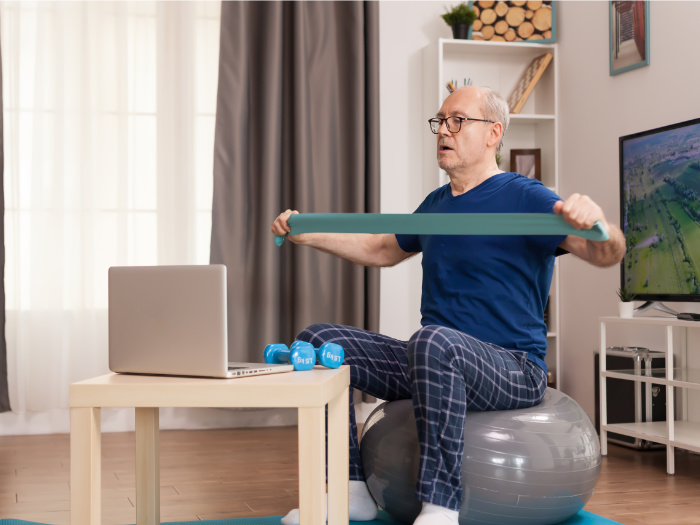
(527, 82)
(452, 85)
(626, 306)
(515, 20)
(460, 19)
(629, 35)
(526, 162)
(551, 379)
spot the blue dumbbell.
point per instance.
(302, 358)
(330, 355)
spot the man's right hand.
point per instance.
(281, 226)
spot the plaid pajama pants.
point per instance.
(446, 373)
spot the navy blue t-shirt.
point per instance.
(492, 287)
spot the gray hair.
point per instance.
(495, 108)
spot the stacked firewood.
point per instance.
(512, 20)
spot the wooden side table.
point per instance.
(309, 392)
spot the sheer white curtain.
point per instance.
(109, 112)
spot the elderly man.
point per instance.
(483, 339)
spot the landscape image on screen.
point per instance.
(661, 212)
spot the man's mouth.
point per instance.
(445, 148)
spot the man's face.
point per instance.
(468, 146)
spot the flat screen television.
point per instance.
(660, 214)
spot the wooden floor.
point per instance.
(210, 474)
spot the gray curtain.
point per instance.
(297, 126)
(4, 395)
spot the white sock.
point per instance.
(362, 506)
(435, 515)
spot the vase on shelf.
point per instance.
(460, 31)
(626, 309)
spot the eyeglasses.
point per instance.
(454, 124)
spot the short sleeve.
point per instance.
(540, 199)
(409, 242)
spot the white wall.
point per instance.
(595, 110)
(405, 28)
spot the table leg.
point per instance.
(312, 462)
(603, 364)
(85, 466)
(670, 404)
(338, 459)
(147, 467)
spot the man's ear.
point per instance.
(495, 135)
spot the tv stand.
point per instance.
(680, 430)
(655, 305)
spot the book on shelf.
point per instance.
(527, 82)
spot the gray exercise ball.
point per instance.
(531, 466)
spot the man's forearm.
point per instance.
(607, 253)
(360, 248)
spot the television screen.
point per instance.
(660, 208)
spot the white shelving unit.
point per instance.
(673, 432)
(499, 66)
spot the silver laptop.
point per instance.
(171, 320)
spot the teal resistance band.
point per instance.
(440, 224)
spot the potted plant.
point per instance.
(626, 306)
(460, 19)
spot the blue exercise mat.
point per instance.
(440, 224)
(582, 518)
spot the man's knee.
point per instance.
(428, 343)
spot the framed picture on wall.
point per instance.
(629, 35)
(526, 162)
(514, 21)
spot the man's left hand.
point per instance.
(580, 211)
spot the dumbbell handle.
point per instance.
(302, 358)
(330, 355)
